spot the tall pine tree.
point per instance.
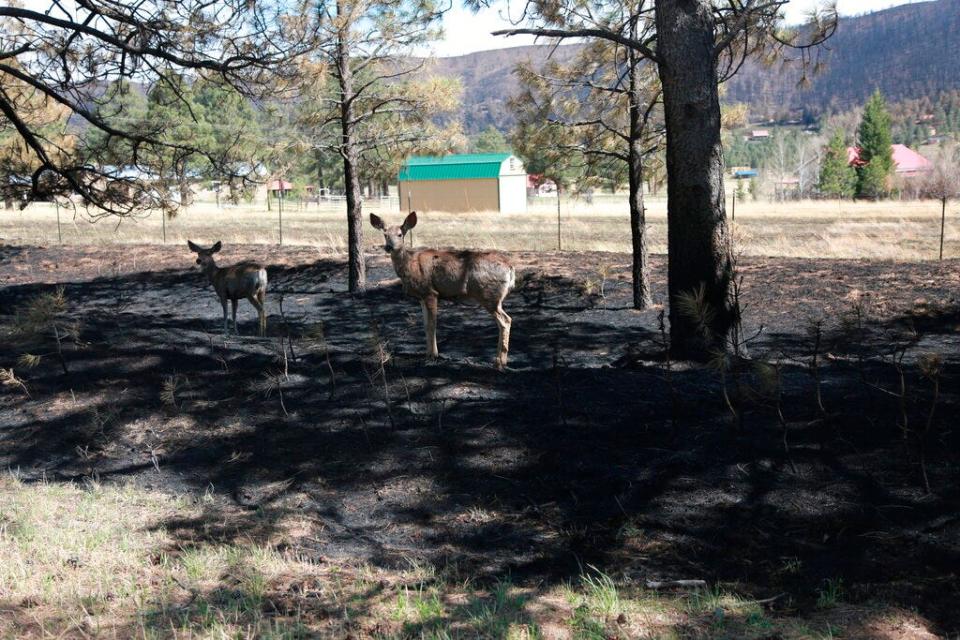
(837, 178)
(876, 153)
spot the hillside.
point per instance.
(907, 52)
(910, 51)
(489, 81)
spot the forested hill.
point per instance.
(489, 82)
(910, 51)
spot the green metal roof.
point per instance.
(467, 166)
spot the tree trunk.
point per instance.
(186, 195)
(699, 253)
(321, 182)
(641, 284)
(357, 280)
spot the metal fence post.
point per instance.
(60, 233)
(280, 213)
(559, 239)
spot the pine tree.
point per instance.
(837, 178)
(490, 140)
(876, 153)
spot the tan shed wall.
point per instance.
(455, 196)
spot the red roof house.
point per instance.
(906, 161)
(279, 185)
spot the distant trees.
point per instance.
(360, 104)
(608, 105)
(173, 114)
(875, 142)
(838, 179)
(235, 141)
(67, 53)
(490, 140)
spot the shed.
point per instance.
(464, 183)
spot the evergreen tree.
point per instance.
(171, 109)
(490, 140)
(837, 178)
(235, 141)
(876, 153)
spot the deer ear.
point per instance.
(216, 247)
(193, 247)
(376, 221)
(410, 222)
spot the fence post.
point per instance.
(733, 209)
(280, 214)
(60, 233)
(943, 222)
(559, 239)
(163, 222)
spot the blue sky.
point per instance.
(466, 32)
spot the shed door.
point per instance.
(513, 194)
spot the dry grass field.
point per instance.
(907, 230)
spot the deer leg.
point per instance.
(223, 303)
(503, 338)
(261, 316)
(430, 324)
(262, 299)
(233, 304)
(503, 346)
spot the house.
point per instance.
(759, 135)
(539, 185)
(464, 183)
(278, 188)
(907, 162)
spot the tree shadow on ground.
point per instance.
(561, 462)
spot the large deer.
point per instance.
(431, 274)
(242, 280)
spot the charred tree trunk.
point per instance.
(357, 279)
(697, 244)
(641, 284)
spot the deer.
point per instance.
(242, 280)
(430, 275)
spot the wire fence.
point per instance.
(908, 230)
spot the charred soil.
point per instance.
(593, 449)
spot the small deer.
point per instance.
(242, 280)
(431, 274)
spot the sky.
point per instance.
(466, 32)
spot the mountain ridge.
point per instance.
(909, 51)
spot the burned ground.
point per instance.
(593, 449)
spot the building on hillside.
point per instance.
(759, 135)
(464, 183)
(907, 162)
